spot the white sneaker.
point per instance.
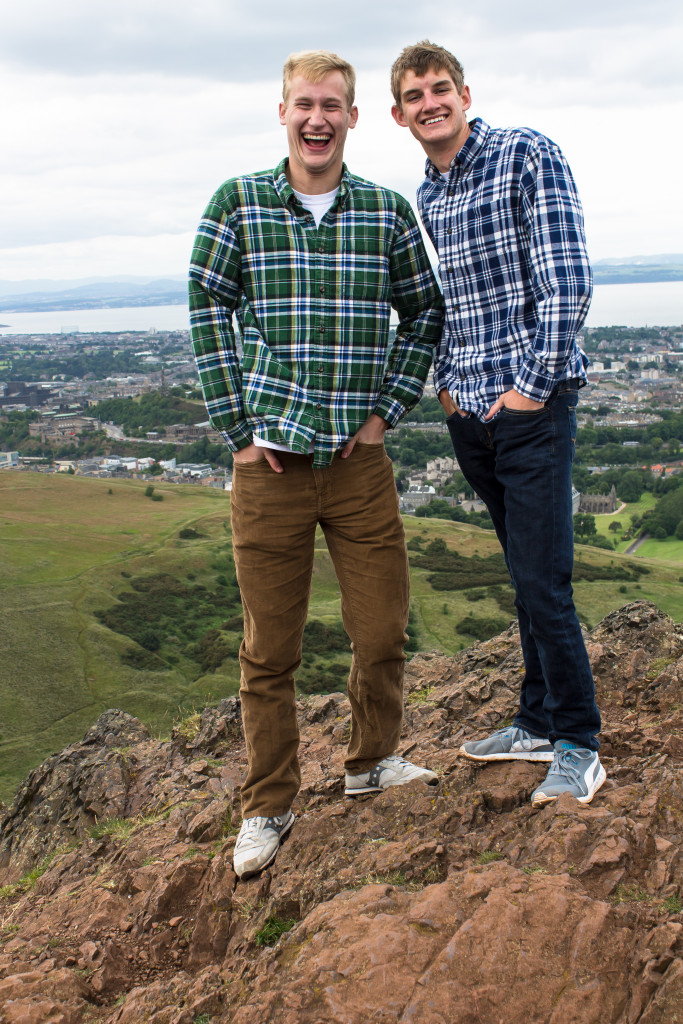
(258, 842)
(392, 771)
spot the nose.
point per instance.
(316, 116)
(430, 101)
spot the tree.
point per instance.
(670, 511)
(584, 524)
(630, 487)
(614, 526)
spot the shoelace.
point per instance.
(519, 736)
(251, 830)
(565, 764)
(395, 759)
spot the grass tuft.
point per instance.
(488, 856)
(272, 930)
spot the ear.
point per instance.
(282, 110)
(353, 117)
(466, 97)
(398, 116)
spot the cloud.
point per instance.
(125, 116)
(226, 40)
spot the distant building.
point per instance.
(9, 459)
(62, 426)
(440, 470)
(195, 471)
(17, 395)
(187, 433)
(599, 504)
(415, 497)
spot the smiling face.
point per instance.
(317, 118)
(434, 111)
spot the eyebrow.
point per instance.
(307, 98)
(435, 85)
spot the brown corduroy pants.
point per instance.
(274, 520)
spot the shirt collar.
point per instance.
(468, 152)
(287, 195)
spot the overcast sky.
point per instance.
(121, 117)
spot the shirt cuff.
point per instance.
(390, 409)
(439, 381)
(237, 436)
(534, 382)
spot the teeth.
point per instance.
(318, 138)
(435, 120)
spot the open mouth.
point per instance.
(435, 120)
(316, 141)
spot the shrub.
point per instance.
(189, 533)
(481, 628)
(320, 638)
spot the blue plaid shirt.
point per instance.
(507, 224)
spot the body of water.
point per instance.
(658, 304)
(127, 318)
(632, 305)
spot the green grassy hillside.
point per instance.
(111, 599)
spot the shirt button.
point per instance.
(322, 289)
(319, 405)
(321, 369)
(448, 230)
(321, 330)
(461, 343)
(321, 248)
(456, 307)
(450, 270)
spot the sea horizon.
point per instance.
(652, 304)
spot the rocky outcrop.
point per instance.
(457, 905)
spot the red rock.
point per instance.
(459, 904)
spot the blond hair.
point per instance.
(421, 58)
(315, 65)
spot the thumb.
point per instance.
(496, 407)
(348, 448)
(273, 460)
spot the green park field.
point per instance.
(110, 597)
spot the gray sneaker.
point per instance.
(391, 771)
(258, 842)
(574, 770)
(511, 744)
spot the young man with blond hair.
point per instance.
(311, 259)
(501, 208)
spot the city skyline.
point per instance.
(125, 117)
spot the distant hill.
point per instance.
(112, 600)
(98, 293)
(639, 269)
(43, 295)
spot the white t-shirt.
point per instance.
(318, 206)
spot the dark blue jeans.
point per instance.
(519, 464)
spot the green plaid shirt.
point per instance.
(313, 307)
